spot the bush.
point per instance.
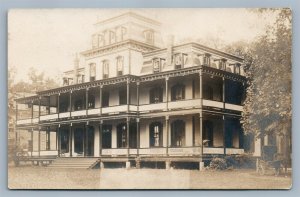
(218, 164)
(245, 161)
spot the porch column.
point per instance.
(59, 140)
(48, 138)
(167, 92)
(49, 105)
(128, 94)
(70, 139)
(127, 133)
(223, 89)
(100, 136)
(39, 108)
(167, 128)
(31, 111)
(31, 138)
(137, 135)
(84, 139)
(39, 141)
(86, 101)
(58, 104)
(224, 135)
(201, 112)
(70, 102)
(100, 98)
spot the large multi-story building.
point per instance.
(136, 100)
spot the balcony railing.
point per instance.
(114, 109)
(93, 111)
(211, 103)
(189, 103)
(152, 107)
(213, 150)
(24, 121)
(49, 117)
(64, 115)
(233, 107)
(78, 113)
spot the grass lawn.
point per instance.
(29, 177)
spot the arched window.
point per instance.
(156, 134)
(122, 135)
(156, 95)
(105, 69)
(178, 92)
(120, 65)
(178, 133)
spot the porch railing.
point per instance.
(189, 103)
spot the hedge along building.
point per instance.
(135, 101)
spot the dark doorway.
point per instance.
(156, 134)
(78, 141)
(64, 139)
(90, 141)
(106, 136)
(208, 130)
(122, 135)
(178, 133)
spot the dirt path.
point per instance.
(43, 178)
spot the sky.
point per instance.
(48, 39)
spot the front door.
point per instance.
(89, 149)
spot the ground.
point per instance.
(28, 177)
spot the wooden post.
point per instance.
(167, 128)
(70, 139)
(137, 135)
(59, 140)
(128, 94)
(39, 142)
(48, 137)
(167, 93)
(39, 108)
(87, 101)
(100, 137)
(223, 89)
(31, 138)
(58, 105)
(224, 134)
(201, 112)
(127, 133)
(100, 98)
(70, 103)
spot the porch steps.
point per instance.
(82, 163)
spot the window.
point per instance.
(92, 72)
(95, 41)
(156, 134)
(178, 61)
(149, 36)
(120, 65)
(65, 81)
(122, 97)
(156, 65)
(178, 133)
(105, 99)
(237, 68)
(222, 64)
(91, 102)
(208, 133)
(156, 95)
(177, 92)
(106, 136)
(206, 59)
(122, 135)
(105, 69)
(78, 105)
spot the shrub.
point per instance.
(218, 164)
(245, 161)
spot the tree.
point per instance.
(267, 108)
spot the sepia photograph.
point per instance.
(160, 98)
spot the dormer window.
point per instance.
(112, 37)
(237, 68)
(206, 59)
(222, 64)
(105, 69)
(120, 65)
(156, 65)
(149, 36)
(92, 72)
(178, 61)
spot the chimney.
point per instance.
(170, 42)
(76, 66)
